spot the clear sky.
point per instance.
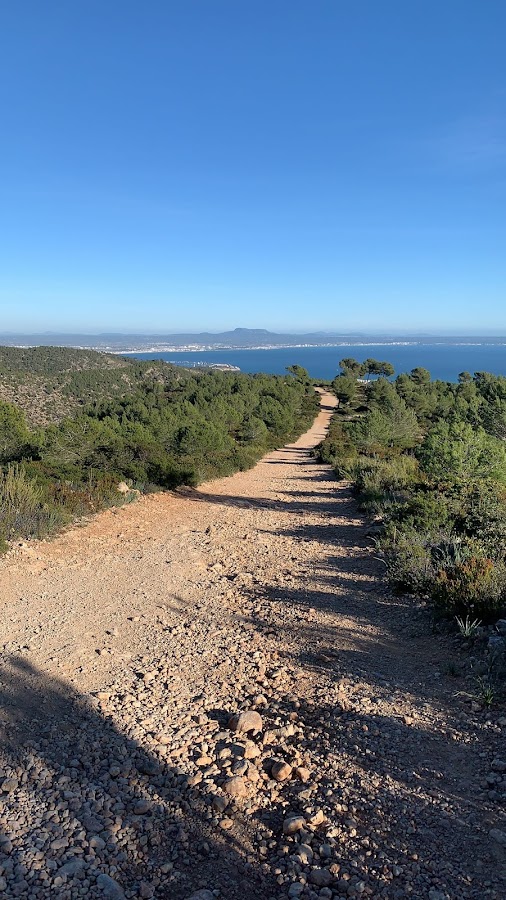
(294, 164)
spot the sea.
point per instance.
(444, 361)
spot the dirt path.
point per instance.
(129, 642)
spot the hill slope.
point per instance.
(49, 383)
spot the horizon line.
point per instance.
(328, 333)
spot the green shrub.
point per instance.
(450, 570)
(458, 452)
(408, 560)
(475, 587)
(23, 510)
(345, 388)
(384, 429)
(424, 510)
(482, 515)
(337, 450)
(15, 437)
(382, 483)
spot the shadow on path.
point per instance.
(89, 800)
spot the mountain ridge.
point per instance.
(237, 338)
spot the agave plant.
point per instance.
(467, 627)
(485, 691)
(449, 552)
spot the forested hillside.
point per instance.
(49, 383)
(428, 460)
(149, 424)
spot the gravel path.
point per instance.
(130, 643)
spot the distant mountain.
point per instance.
(236, 339)
(239, 337)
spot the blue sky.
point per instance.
(294, 164)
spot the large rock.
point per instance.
(498, 836)
(321, 877)
(246, 721)
(293, 824)
(142, 806)
(235, 787)
(318, 819)
(496, 644)
(72, 867)
(219, 803)
(251, 751)
(305, 854)
(281, 770)
(9, 785)
(110, 888)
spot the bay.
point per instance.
(444, 361)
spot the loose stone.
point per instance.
(292, 824)
(281, 771)
(246, 721)
(235, 787)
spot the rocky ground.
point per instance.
(214, 694)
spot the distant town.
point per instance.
(237, 339)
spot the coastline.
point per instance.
(204, 348)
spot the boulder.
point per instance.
(246, 721)
(293, 824)
(281, 770)
(235, 786)
(110, 888)
(321, 877)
